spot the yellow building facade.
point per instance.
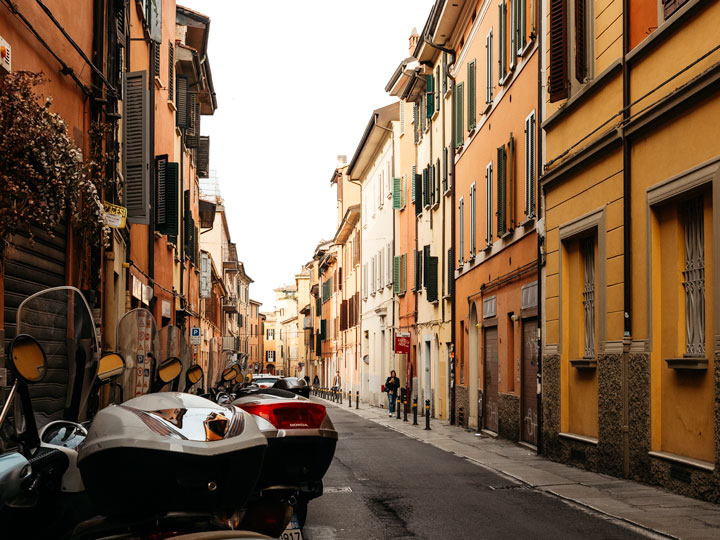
(629, 185)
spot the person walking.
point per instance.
(337, 381)
(316, 381)
(392, 383)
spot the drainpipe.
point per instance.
(151, 192)
(451, 176)
(541, 242)
(627, 238)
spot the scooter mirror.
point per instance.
(110, 367)
(27, 358)
(194, 374)
(230, 373)
(170, 369)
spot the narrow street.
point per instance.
(383, 484)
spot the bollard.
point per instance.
(414, 412)
(397, 407)
(405, 410)
(427, 414)
(350, 398)
(340, 394)
(357, 399)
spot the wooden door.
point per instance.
(529, 382)
(490, 397)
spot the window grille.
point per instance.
(694, 277)
(588, 255)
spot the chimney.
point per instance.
(413, 41)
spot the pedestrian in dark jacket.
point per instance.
(392, 383)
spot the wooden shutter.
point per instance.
(166, 197)
(182, 115)
(488, 68)
(396, 274)
(437, 89)
(511, 182)
(418, 194)
(171, 71)
(192, 135)
(432, 279)
(426, 261)
(136, 154)
(461, 230)
(430, 95)
(459, 131)
(558, 68)
(473, 211)
(502, 41)
(412, 179)
(471, 95)
(445, 169)
(425, 188)
(437, 180)
(403, 270)
(403, 190)
(445, 71)
(501, 192)
(203, 157)
(530, 166)
(580, 41)
(416, 124)
(156, 59)
(397, 193)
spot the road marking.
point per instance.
(345, 489)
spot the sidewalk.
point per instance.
(648, 508)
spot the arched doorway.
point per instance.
(473, 367)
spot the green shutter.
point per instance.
(501, 194)
(418, 194)
(397, 193)
(396, 275)
(511, 181)
(432, 279)
(459, 132)
(403, 188)
(404, 272)
(426, 261)
(471, 95)
(412, 179)
(430, 95)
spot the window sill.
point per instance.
(529, 220)
(689, 363)
(580, 438)
(487, 108)
(692, 462)
(447, 192)
(157, 235)
(527, 47)
(487, 247)
(435, 115)
(584, 363)
(506, 234)
(159, 83)
(170, 245)
(171, 105)
(471, 131)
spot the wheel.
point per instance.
(301, 512)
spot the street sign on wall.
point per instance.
(195, 336)
(402, 343)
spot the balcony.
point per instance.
(230, 303)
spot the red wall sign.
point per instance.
(402, 343)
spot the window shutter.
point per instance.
(445, 169)
(432, 279)
(437, 180)
(192, 134)
(488, 68)
(166, 198)
(365, 281)
(511, 182)
(471, 95)
(403, 190)
(445, 71)
(501, 195)
(171, 71)
(461, 230)
(397, 193)
(403, 287)
(473, 209)
(412, 179)
(203, 157)
(182, 115)
(426, 261)
(156, 59)
(459, 132)
(513, 30)
(416, 124)
(390, 280)
(425, 197)
(450, 262)
(580, 41)
(531, 161)
(488, 204)
(430, 95)
(437, 88)
(558, 68)
(418, 194)
(396, 275)
(502, 38)
(136, 153)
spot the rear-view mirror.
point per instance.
(110, 367)
(27, 358)
(194, 374)
(170, 369)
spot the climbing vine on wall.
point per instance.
(42, 173)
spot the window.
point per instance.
(171, 71)
(365, 281)
(471, 95)
(588, 257)
(461, 230)
(519, 26)
(389, 270)
(397, 193)
(472, 220)
(459, 115)
(437, 88)
(445, 170)
(502, 41)
(570, 22)
(530, 166)
(488, 203)
(380, 187)
(416, 126)
(488, 68)
(269, 356)
(694, 277)
(430, 95)
(426, 187)
(437, 180)
(671, 6)
(270, 334)
(412, 190)
(402, 117)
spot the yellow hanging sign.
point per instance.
(115, 216)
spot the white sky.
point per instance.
(296, 83)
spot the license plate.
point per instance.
(292, 531)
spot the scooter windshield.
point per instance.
(61, 320)
(139, 346)
(174, 344)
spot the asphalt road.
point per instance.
(383, 484)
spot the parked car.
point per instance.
(264, 380)
(293, 384)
